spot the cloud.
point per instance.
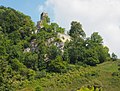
(102, 16)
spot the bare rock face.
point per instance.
(26, 50)
(63, 37)
(43, 16)
(39, 24)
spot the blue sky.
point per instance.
(28, 7)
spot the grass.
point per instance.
(79, 77)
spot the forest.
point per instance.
(43, 57)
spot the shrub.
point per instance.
(41, 74)
(91, 61)
(114, 57)
(119, 69)
(57, 65)
(115, 74)
(39, 88)
(31, 74)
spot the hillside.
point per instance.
(102, 75)
(43, 55)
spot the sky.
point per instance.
(28, 7)
(101, 16)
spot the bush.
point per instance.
(39, 88)
(91, 74)
(89, 88)
(17, 65)
(118, 64)
(91, 61)
(115, 74)
(114, 57)
(31, 74)
(119, 69)
(41, 74)
(57, 65)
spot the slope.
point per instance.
(105, 75)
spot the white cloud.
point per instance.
(95, 15)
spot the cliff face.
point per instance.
(51, 40)
(43, 17)
(64, 37)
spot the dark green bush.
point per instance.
(116, 74)
(57, 65)
(39, 88)
(41, 74)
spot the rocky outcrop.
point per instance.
(43, 17)
(63, 37)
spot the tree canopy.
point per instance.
(24, 53)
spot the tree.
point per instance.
(17, 65)
(31, 60)
(42, 50)
(12, 20)
(15, 51)
(2, 50)
(91, 57)
(75, 49)
(5, 76)
(55, 27)
(76, 30)
(114, 57)
(95, 43)
(96, 38)
(53, 52)
(103, 53)
(15, 37)
(57, 65)
(39, 88)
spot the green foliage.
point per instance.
(76, 30)
(89, 51)
(41, 74)
(103, 53)
(5, 76)
(38, 89)
(90, 88)
(57, 65)
(45, 18)
(114, 57)
(96, 38)
(2, 50)
(53, 52)
(75, 78)
(116, 74)
(55, 27)
(16, 65)
(91, 57)
(31, 60)
(86, 89)
(31, 74)
(26, 56)
(12, 20)
(75, 50)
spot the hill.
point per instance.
(43, 55)
(105, 75)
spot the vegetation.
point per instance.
(81, 78)
(31, 61)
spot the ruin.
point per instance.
(43, 17)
